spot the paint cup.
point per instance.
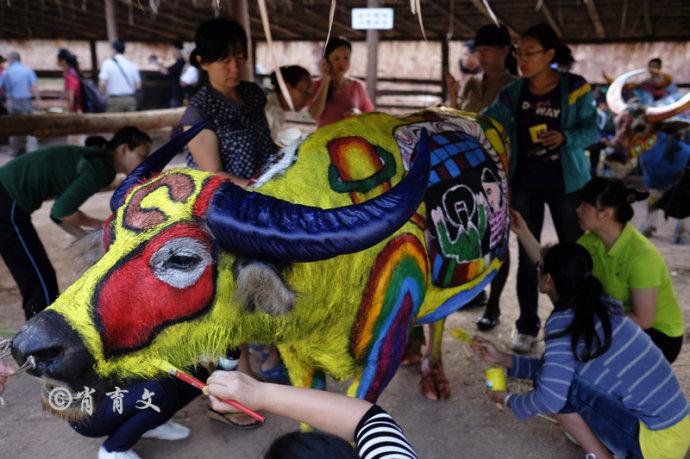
(496, 379)
(534, 132)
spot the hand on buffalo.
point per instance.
(234, 385)
(5, 371)
(552, 139)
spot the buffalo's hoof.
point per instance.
(434, 384)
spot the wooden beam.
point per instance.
(647, 19)
(445, 67)
(550, 19)
(372, 56)
(480, 6)
(78, 123)
(470, 31)
(110, 20)
(240, 11)
(596, 20)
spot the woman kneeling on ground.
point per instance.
(628, 265)
(603, 379)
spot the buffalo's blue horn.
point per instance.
(155, 163)
(256, 226)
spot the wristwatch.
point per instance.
(506, 398)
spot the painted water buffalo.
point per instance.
(651, 138)
(330, 256)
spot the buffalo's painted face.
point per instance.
(156, 279)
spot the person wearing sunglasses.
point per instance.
(549, 117)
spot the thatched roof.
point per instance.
(579, 21)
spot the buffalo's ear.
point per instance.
(260, 287)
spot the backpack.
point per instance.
(92, 99)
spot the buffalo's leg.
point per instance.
(413, 348)
(434, 383)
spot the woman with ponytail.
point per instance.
(549, 117)
(628, 265)
(605, 383)
(69, 64)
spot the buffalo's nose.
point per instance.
(57, 349)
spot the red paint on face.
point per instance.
(133, 305)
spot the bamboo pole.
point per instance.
(77, 123)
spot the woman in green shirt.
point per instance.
(628, 265)
(69, 174)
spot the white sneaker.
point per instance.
(105, 454)
(168, 431)
(522, 343)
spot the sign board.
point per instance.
(372, 18)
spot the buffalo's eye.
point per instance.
(180, 262)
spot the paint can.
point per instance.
(496, 379)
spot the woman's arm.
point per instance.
(319, 103)
(643, 306)
(527, 239)
(204, 150)
(333, 413)
(584, 131)
(70, 101)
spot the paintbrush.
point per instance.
(462, 335)
(191, 380)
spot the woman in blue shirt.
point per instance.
(602, 377)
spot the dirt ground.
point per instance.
(466, 426)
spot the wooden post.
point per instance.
(110, 20)
(372, 56)
(445, 67)
(240, 12)
(94, 59)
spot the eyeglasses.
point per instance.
(520, 54)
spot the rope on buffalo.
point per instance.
(5, 350)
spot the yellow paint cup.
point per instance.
(534, 132)
(496, 379)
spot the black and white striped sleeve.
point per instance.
(378, 436)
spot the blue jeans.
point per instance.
(531, 205)
(613, 424)
(124, 430)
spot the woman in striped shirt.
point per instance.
(340, 420)
(606, 382)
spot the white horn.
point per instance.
(655, 114)
(614, 96)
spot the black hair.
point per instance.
(548, 39)
(292, 74)
(218, 38)
(71, 60)
(129, 135)
(333, 44)
(119, 46)
(499, 37)
(310, 445)
(179, 44)
(610, 192)
(655, 60)
(570, 266)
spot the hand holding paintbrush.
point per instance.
(223, 402)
